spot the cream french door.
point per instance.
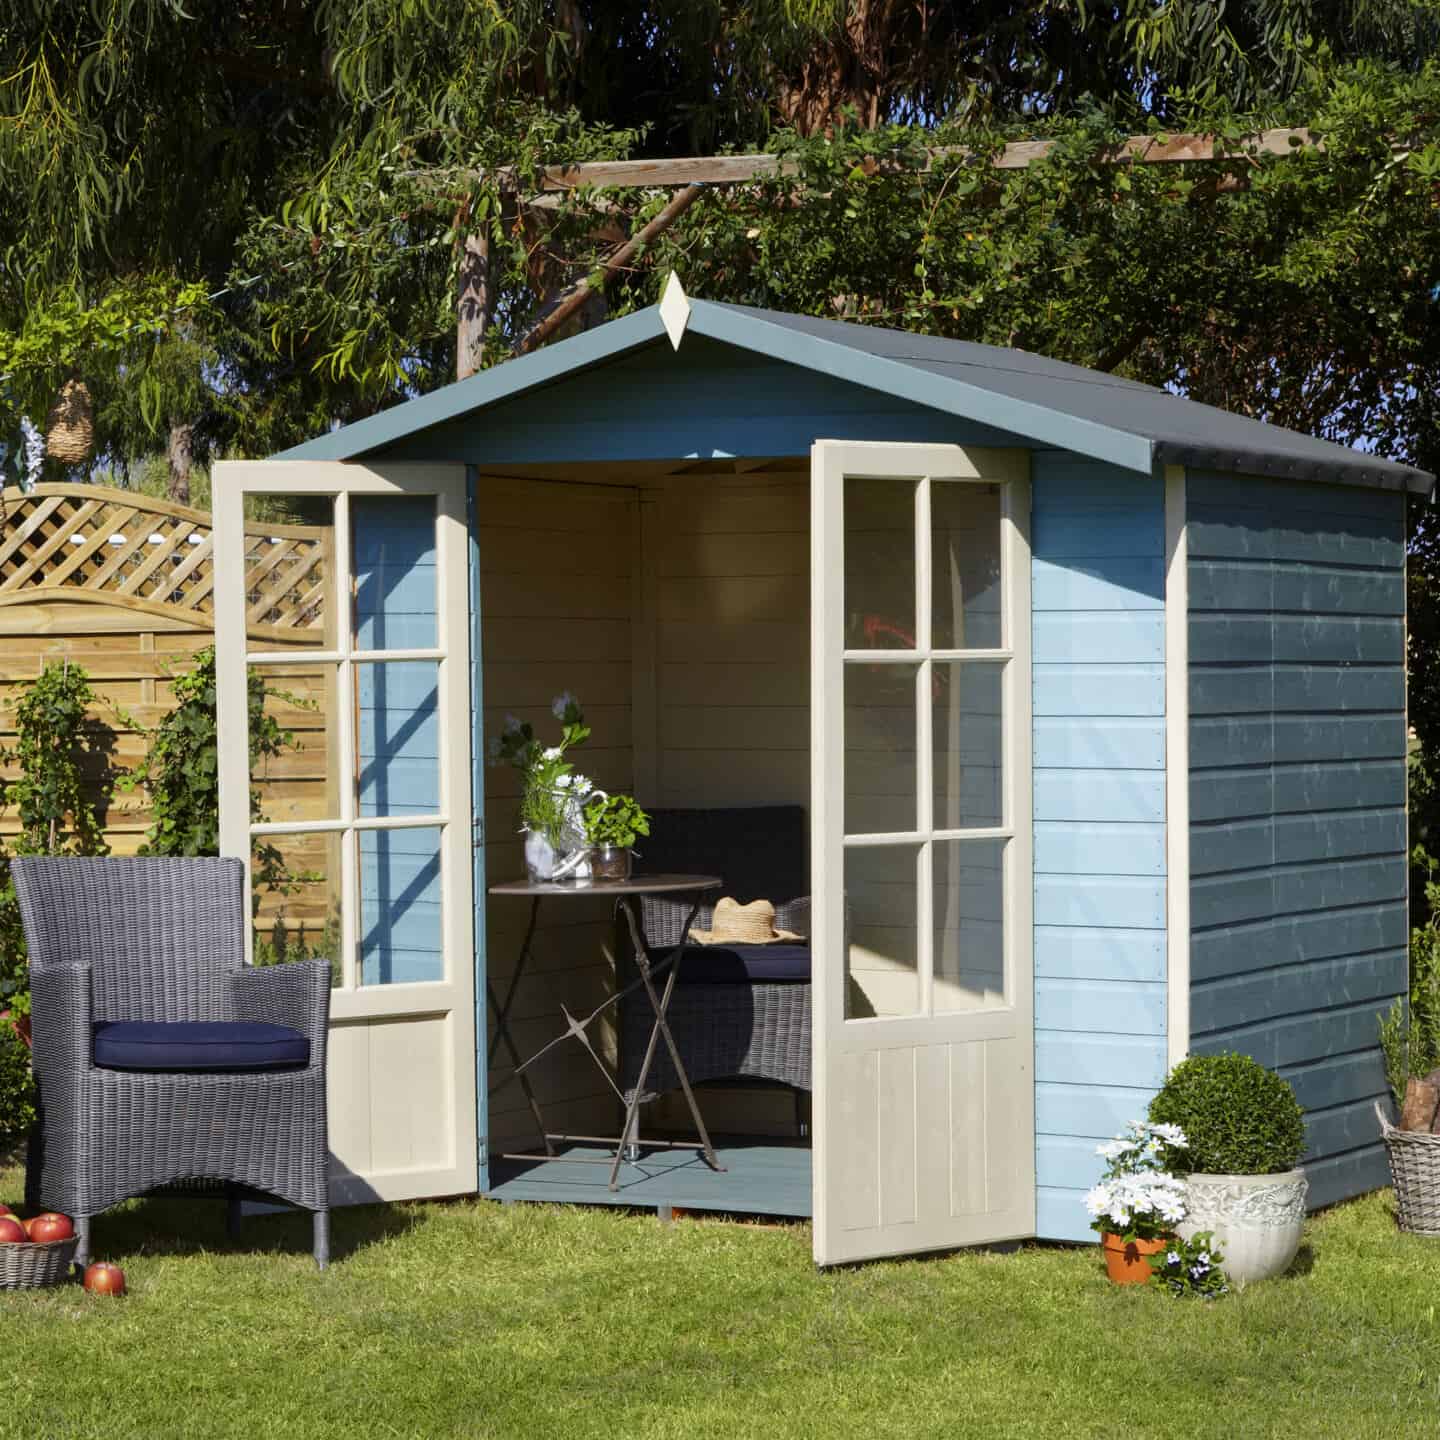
(920, 816)
(342, 679)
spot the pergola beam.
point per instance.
(738, 169)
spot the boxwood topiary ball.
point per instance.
(1238, 1117)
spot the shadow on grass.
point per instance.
(1302, 1264)
(161, 1225)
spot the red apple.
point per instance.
(44, 1228)
(104, 1279)
(12, 1232)
(6, 1210)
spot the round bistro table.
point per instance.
(651, 968)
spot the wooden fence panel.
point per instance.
(123, 585)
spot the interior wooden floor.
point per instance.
(762, 1176)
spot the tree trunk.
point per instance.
(473, 302)
(180, 455)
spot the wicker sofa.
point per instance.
(160, 1056)
(737, 1012)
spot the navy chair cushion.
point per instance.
(744, 964)
(198, 1045)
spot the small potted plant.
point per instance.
(612, 825)
(1138, 1203)
(1246, 1133)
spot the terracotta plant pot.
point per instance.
(1127, 1261)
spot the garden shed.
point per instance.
(1089, 700)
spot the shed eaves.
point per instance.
(1180, 431)
(1049, 402)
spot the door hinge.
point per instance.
(477, 832)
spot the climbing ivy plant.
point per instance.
(181, 773)
(65, 779)
(181, 767)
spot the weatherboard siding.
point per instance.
(1098, 664)
(397, 738)
(1297, 796)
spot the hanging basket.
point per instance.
(70, 426)
(1415, 1169)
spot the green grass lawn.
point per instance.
(473, 1319)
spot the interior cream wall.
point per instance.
(557, 563)
(722, 678)
(724, 622)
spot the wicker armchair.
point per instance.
(122, 950)
(731, 1027)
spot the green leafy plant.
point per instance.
(1410, 1031)
(65, 778)
(181, 773)
(550, 786)
(1238, 1117)
(17, 1088)
(63, 754)
(615, 820)
(1190, 1269)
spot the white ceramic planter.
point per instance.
(1256, 1220)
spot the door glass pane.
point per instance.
(965, 566)
(400, 914)
(290, 571)
(393, 540)
(967, 730)
(294, 755)
(397, 737)
(879, 564)
(969, 910)
(295, 884)
(880, 770)
(882, 931)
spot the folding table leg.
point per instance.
(660, 1004)
(502, 1027)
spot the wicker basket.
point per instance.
(24, 1265)
(1415, 1169)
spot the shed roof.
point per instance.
(1046, 402)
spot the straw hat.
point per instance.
(737, 924)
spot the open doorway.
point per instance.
(673, 602)
(814, 671)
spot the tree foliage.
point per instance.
(316, 162)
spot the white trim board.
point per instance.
(1177, 770)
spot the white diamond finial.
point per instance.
(674, 309)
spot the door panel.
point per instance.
(372, 869)
(924, 1095)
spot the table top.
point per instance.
(637, 885)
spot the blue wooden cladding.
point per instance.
(393, 540)
(1098, 653)
(397, 738)
(1297, 784)
(707, 399)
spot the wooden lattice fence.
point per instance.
(123, 585)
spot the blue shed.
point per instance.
(1079, 706)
